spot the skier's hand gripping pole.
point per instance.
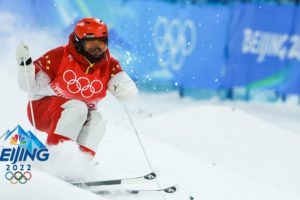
(23, 58)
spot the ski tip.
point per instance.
(163, 191)
(191, 198)
(151, 176)
(172, 189)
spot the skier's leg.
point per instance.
(63, 120)
(40, 110)
(87, 150)
(92, 132)
(66, 121)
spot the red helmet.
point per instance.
(87, 29)
(91, 28)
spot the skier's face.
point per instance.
(95, 47)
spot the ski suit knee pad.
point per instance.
(93, 130)
(72, 119)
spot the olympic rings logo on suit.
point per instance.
(81, 84)
(18, 176)
(173, 44)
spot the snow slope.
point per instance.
(248, 142)
(43, 186)
(233, 140)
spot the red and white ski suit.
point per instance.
(65, 87)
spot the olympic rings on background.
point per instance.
(18, 176)
(174, 40)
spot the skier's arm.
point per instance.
(38, 79)
(38, 82)
(120, 84)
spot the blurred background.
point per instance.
(219, 88)
(237, 50)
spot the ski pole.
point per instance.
(29, 95)
(142, 145)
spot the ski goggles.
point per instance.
(95, 45)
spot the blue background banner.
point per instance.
(262, 49)
(169, 46)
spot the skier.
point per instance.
(67, 82)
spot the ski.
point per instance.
(168, 190)
(165, 191)
(148, 177)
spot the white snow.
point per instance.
(43, 186)
(211, 151)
